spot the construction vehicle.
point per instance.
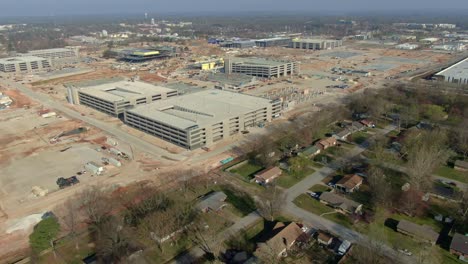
(65, 182)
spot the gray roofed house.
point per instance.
(213, 201)
(420, 232)
(310, 151)
(459, 246)
(340, 203)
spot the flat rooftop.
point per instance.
(21, 59)
(50, 50)
(316, 40)
(458, 70)
(124, 90)
(200, 108)
(258, 61)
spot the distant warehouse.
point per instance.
(202, 118)
(272, 42)
(315, 44)
(260, 67)
(457, 73)
(113, 98)
(24, 64)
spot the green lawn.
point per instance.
(453, 174)
(287, 180)
(247, 170)
(359, 137)
(240, 200)
(310, 204)
(319, 188)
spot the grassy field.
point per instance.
(453, 174)
(287, 180)
(247, 170)
(359, 137)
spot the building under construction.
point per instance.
(315, 44)
(114, 98)
(202, 118)
(140, 55)
(264, 68)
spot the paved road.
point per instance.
(325, 224)
(197, 252)
(122, 135)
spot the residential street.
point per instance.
(322, 223)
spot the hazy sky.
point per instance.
(58, 7)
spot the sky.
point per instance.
(64, 7)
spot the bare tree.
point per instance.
(270, 203)
(72, 218)
(96, 206)
(379, 187)
(425, 154)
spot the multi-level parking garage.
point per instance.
(260, 67)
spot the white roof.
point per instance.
(457, 71)
(200, 108)
(124, 90)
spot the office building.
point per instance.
(260, 67)
(202, 118)
(315, 44)
(24, 64)
(115, 97)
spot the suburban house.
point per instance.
(326, 143)
(268, 175)
(367, 123)
(461, 165)
(340, 203)
(212, 202)
(420, 232)
(445, 192)
(343, 134)
(310, 151)
(284, 240)
(459, 246)
(324, 238)
(349, 183)
(357, 126)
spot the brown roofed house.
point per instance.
(459, 246)
(268, 175)
(461, 165)
(349, 183)
(421, 232)
(326, 143)
(285, 239)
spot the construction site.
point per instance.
(47, 138)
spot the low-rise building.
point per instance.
(457, 73)
(326, 143)
(310, 151)
(340, 203)
(284, 240)
(420, 232)
(212, 202)
(407, 46)
(349, 183)
(268, 175)
(459, 246)
(272, 42)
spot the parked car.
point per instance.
(313, 195)
(65, 182)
